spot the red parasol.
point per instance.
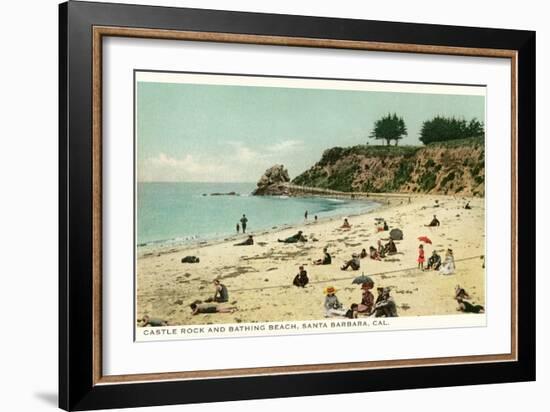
(425, 239)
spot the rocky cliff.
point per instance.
(273, 182)
(453, 167)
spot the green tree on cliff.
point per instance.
(441, 129)
(388, 128)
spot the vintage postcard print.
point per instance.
(279, 206)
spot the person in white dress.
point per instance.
(448, 266)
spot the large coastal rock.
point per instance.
(274, 182)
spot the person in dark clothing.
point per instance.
(385, 305)
(221, 293)
(301, 279)
(190, 259)
(298, 237)
(352, 311)
(305, 215)
(326, 260)
(434, 262)
(354, 263)
(467, 307)
(386, 227)
(244, 221)
(363, 253)
(434, 222)
(238, 227)
(390, 247)
(467, 206)
(247, 242)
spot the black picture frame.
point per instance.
(77, 390)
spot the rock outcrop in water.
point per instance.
(274, 182)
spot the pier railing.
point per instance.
(317, 191)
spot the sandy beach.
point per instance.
(259, 277)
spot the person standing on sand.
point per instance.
(244, 221)
(421, 257)
(238, 227)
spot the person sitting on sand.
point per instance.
(420, 259)
(298, 237)
(346, 224)
(354, 262)
(467, 206)
(352, 311)
(461, 293)
(367, 298)
(386, 227)
(148, 321)
(434, 261)
(467, 307)
(301, 279)
(247, 242)
(448, 266)
(199, 307)
(381, 250)
(363, 253)
(385, 305)
(435, 222)
(373, 253)
(390, 247)
(221, 293)
(326, 260)
(333, 307)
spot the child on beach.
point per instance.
(420, 258)
(238, 227)
(333, 307)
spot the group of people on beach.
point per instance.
(445, 267)
(383, 306)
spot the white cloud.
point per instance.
(286, 146)
(240, 163)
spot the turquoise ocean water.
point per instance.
(178, 213)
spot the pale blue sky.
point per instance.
(196, 132)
